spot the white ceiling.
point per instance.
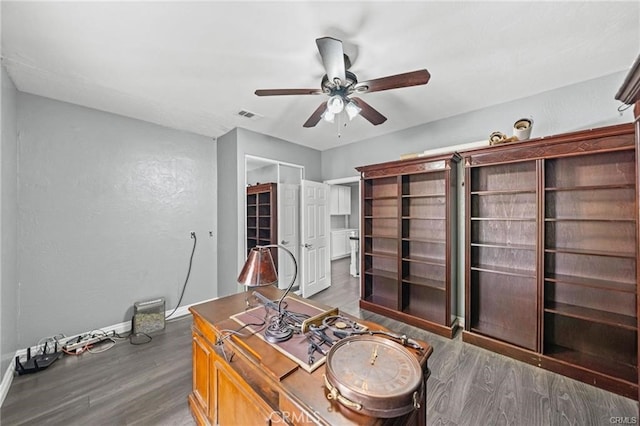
(194, 65)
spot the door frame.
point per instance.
(242, 222)
(350, 179)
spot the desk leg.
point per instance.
(422, 415)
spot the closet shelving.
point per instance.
(262, 216)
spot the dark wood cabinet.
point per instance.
(551, 254)
(262, 216)
(408, 241)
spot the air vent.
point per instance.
(248, 114)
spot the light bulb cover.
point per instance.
(335, 104)
(328, 116)
(352, 109)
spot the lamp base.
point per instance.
(277, 333)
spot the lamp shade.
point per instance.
(258, 270)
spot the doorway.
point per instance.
(287, 178)
(345, 226)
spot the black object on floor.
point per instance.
(38, 362)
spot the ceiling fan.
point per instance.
(340, 85)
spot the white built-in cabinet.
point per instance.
(340, 243)
(340, 200)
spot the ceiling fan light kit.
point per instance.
(339, 84)
(336, 105)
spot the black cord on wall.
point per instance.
(184, 287)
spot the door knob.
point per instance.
(308, 246)
(284, 242)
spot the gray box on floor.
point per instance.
(148, 317)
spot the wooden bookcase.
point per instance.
(551, 254)
(408, 241)
(262, 216)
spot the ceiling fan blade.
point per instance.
(414, 78)
(278, 92)
(370, 113)
(316, 116)
(332, 57)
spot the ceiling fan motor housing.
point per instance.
(344, 88)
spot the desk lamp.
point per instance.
(259, 271)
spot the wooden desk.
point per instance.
(245, 381)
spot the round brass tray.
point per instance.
(374, 376)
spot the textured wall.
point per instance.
(106, 205)
(8, 225)
(262, 175)
(228, 212)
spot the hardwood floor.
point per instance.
(148, 384)
(128, 384)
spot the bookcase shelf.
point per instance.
(505, 271)
(425, 260)
(629, 255)
(620, 370)
(381, 254)
(592, 315)
(551, 254)
(609, 285)
(408, 241)
(382, 273)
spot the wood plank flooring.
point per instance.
(148, 384)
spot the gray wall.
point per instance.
(232, 149)
(8, 225)
(262, 175)
(106, 206)
(228, 211)
(582, 105)
(259, 145)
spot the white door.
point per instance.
(314, 226)
(288, 231)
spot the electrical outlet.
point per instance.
(193, 234)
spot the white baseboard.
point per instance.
(119, 328)
(7, 379)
